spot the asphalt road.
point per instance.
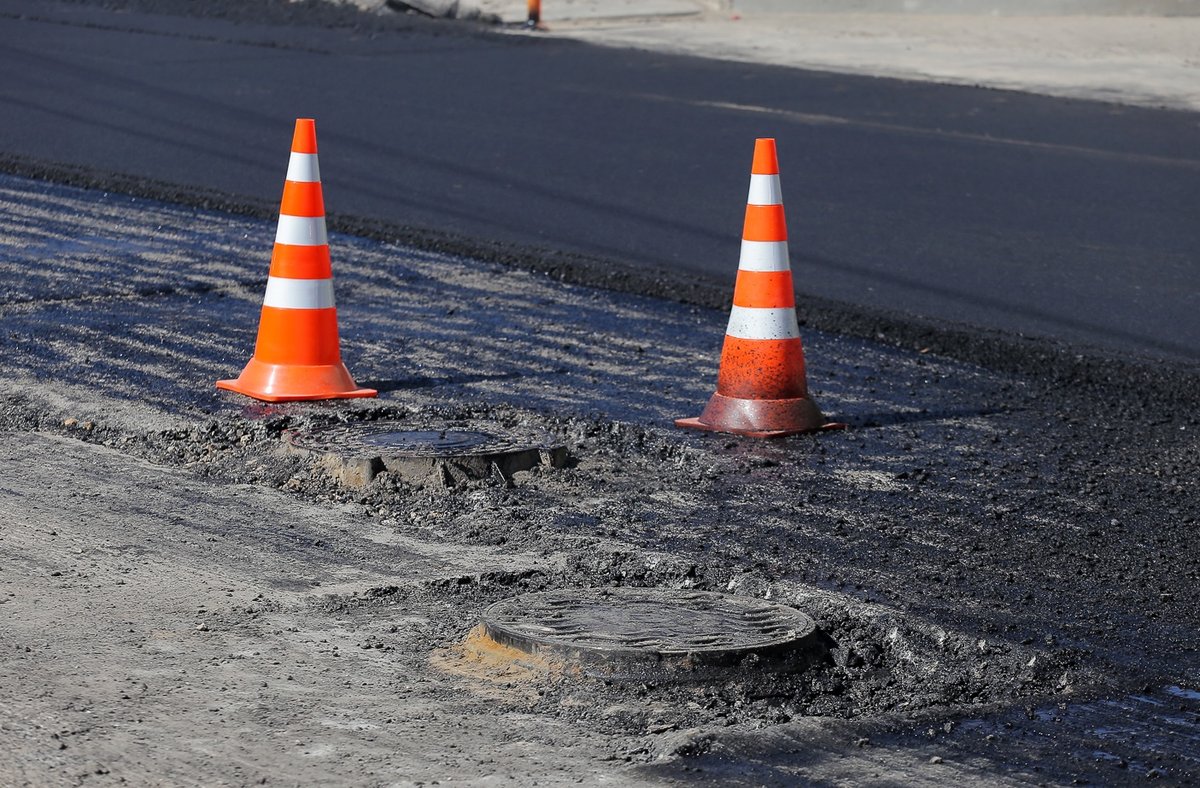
(1005, 564)
(1046, 217)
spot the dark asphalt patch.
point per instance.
(102, 255)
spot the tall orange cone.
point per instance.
(298, 356)
(761, 387)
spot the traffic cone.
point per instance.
(298, 356)
(761, 386)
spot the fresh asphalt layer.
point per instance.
(1004, 567)
(1035, 216)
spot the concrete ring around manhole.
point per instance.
(642, 634)
(437, 454)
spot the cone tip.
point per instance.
(305, 138)
(765, 160)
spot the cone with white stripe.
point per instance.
(762, 391)
(298, 355)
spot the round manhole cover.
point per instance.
(418, 440)
(636, 631)
(435, 443)
(437, 454)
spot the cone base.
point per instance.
(295, 382)
(759, 418)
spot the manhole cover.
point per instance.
(635, 632)
(441, 455)
(433, 443)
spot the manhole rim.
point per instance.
(801, 643)
(350, 439)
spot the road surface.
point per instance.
(1038, 216)
(1004, 566)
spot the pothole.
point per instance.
(428, 454)
(640, 634)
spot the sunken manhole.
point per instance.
(439, 455)
(655, 634)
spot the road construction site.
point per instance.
(1004, 568)
(989, 575)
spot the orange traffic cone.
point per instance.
(298, 356)
(761, 386)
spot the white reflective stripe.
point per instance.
(303, 167)
(764, 190)
(764, 256)
(746, 322)
(298, 293)
(301, 230)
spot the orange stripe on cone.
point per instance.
(301, 262)
(766, 289)
(762, 387)
(302, 199)
(298, 355)
(308, 337)
(762, 370)
(764, 223)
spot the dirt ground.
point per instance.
(1004, 563)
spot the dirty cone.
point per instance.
(761, 387)
(298, 356)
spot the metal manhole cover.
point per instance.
(443, 455)
(634, 631)
(430, 442)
